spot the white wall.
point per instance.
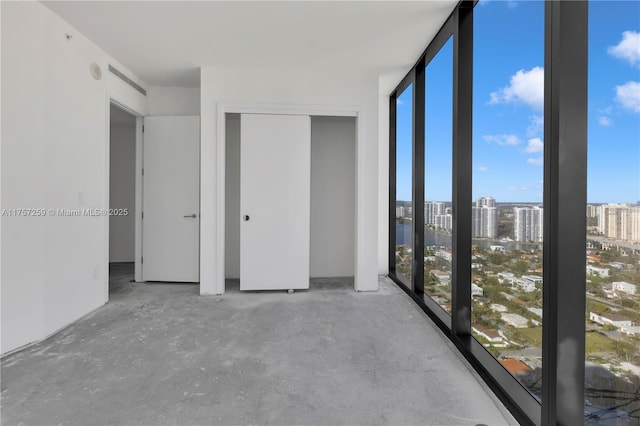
(303, 86)
(333, 207)
(22, 81)
(54, 156)
(122, 194)
(173, 101)
(332, 250)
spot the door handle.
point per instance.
(245, 217)
(191, 215)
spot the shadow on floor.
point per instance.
(121, 282)
(120, 278)
(315, 284)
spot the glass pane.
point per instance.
(612, 376)
(507, 212)
(437, 176)
(404, 198)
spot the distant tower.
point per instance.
(619, 221)
(486, 202)
(432, 209)
(528, 223)
(485, 218)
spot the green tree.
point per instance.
(497, 258)
(520, 267)
(625, 351)
(492, 280)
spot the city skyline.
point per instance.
(508, 96)
(618, 221)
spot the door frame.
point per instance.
(284, 109)
(112, 99)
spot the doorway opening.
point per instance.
(332, 198)
(122, 199)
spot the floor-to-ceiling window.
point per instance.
(438, 214)
(507, 211)
(612, 340)
(403, 190)
(508, 286)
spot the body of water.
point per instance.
(433, 238)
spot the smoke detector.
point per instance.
(95, 71)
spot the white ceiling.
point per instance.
(166, 42)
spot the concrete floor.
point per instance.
(159, 354)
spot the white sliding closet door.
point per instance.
(275, 185)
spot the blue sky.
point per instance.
(508, 111)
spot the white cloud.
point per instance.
(605, 121)
(535, 161)
(399, 102)
(628, 49)
(482, 169)
(503, 140)
(534, 146)
(628, 95)
(536, 125)
(525, 87)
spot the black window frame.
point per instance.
(565, 174)
(408, 80)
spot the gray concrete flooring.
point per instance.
(160, 354)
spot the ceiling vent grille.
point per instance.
(127, 80)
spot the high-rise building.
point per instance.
(619, 221)
(485, 218)
(528, 223)
(444, 221)
(602, 212)
(592, 210)
(634, 224)
(408, 212)
(432, 209)
(485, 202)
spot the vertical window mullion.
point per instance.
(392, 183)
(565, 197)
(418, 178)
(462, 171)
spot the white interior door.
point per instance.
(171, 199)
(275, 203)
